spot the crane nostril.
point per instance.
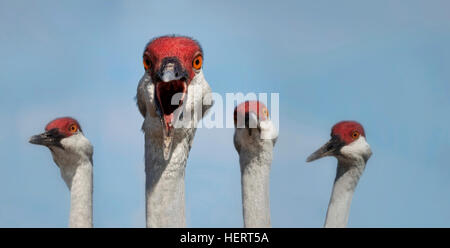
(329, 148)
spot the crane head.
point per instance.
(250, 114)
(172, 62)
(253, 126)
(67, 144)
(348, 141)
(55, 131)
(65, 139)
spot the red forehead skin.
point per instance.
(256, 107)
(63, 124)
(183, 48)
(345, 129)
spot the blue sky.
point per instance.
(384, 63)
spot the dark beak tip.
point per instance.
(310, 159)
(36, 140)
(32, 140)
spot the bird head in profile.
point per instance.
(348, 142)
(64, 137)
(172, 62)
(252, 122)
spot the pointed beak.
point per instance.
(48, 138)
(331, 148)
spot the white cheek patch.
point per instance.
(268, 130)
(146, 93)
(359, 147)
(70, 142)
(78, 144)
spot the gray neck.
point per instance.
(79, 180)
(165, 201)
(255, 173)
(347, 177)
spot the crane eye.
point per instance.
(355, 135)
(197, 63)
(146, 64)
(73, 128)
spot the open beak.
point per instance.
(171, 92)
(48, 138)
(331, 148)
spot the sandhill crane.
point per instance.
(72, 152)
(348, 144)
(172, 90)
(254, 139)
